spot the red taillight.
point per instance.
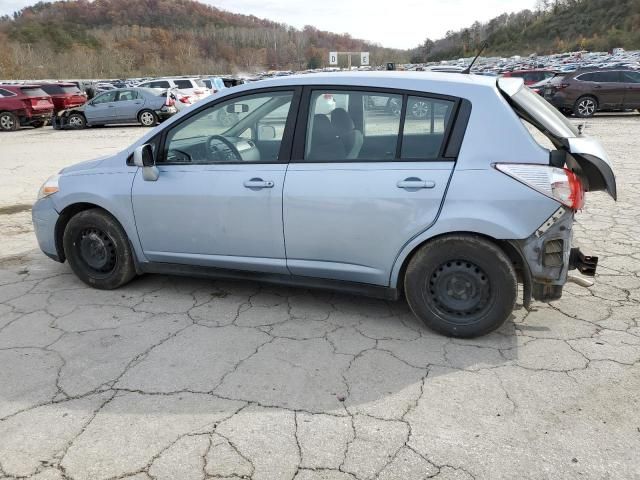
(561, 184)
(185, 99)
(575, 197)
(560, 86)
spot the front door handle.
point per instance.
(258, 184)
(412, 183)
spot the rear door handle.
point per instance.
(258, 184)
(415, 183)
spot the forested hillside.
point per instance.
(554, 26)
(118, 38)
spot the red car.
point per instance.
(26, 105)
(64, 95)
(531, 76)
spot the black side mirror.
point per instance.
(143, 156)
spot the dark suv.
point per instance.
(585, 92)
(26, 105)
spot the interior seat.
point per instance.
(346, 130)
(325, 144)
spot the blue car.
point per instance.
(311, 184)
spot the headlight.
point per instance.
(49, 187)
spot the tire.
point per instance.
(98, 250)
(585, 107)
(9, 122)
(76, 121)
(461, 286)
(148, 118)
(394, 106)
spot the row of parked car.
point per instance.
(581, 92)
(82, 104)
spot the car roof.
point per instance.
(421, 80)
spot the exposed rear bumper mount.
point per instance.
(584, 264)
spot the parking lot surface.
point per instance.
(176, 378)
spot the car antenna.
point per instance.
(483, 46)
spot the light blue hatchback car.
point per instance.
(315, 182)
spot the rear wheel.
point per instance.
(77, 120)
(8, 122)
(148, 118)
(585, 107)
(98, 250)
(461, 285)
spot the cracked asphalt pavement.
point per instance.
(176, 378)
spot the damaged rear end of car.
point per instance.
(577, 164)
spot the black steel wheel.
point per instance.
(461, 285)
(98, 249)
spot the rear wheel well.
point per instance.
(509, 249)
(66, 215)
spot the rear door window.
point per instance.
(607, 77)
(159, 84)
(6, 93)
(426, 123)
(127, 95)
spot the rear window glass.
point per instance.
(544, 114)
(183, 83)
(71, 89)
(198, 82)
(207, 83)
(52, 89)
(34, 92)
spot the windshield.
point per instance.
(544, 114)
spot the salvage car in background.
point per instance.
(64, 95)
(193, 87)
(588, 91)
(126, 105)
(437, 209)
(24, 105)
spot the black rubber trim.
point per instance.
(459, 129)
(375, 291)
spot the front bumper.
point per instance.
(45, 217)
(549, 256)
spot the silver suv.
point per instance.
(315, 183)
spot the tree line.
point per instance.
(131, 38)
(554, 26)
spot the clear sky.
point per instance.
(399, 23)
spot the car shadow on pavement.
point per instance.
(274, 346)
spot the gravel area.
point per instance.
(176, 378)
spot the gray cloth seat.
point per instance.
(346, 130)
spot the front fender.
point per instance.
(109, 191)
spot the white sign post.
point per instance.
(333, 58)
(364, 58)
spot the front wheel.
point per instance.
(98, 250)
(461, 285)
(77, 121)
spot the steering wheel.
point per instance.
(222, 150)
